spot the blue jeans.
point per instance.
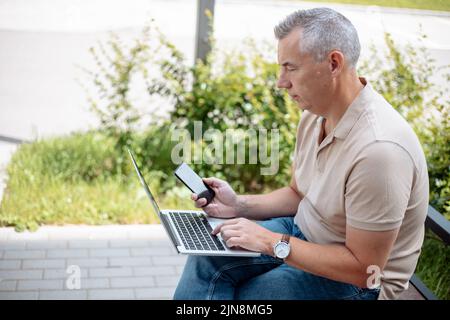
(260, 278)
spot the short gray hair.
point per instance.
(323, 30)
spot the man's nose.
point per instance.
(283, 83)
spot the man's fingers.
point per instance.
(213, 182)
(225, 224)
(234, 242)
(211, 209)
(216, 229)
(229, 233)
(201, 202)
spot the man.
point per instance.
(350, 224)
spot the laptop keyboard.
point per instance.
(195, 232)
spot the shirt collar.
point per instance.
(354, 111)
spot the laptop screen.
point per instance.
(144, 184)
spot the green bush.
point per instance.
(437, 148)
(154, 147)
(240, 93)
(82, 156)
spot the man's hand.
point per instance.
(225, 202)
(246, 234)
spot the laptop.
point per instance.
(190, 230)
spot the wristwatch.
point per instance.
(282, 248)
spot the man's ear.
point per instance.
(336, 62)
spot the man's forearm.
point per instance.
(332, 261)
(281, 202)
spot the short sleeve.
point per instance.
(378, 187)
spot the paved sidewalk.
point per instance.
(116, 262)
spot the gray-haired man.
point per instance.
(350, 224)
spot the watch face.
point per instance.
(282, 250)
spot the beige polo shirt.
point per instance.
(370, 172)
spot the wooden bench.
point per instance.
(417, 290)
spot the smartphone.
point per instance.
(191, 180)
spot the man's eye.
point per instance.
(290, 69)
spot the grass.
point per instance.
(56, 202)
(433, 265)
(111, 201)
(70, 180)
(440, 5)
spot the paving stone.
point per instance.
(63, 295)
(107, 294)
(154, 293)
(8, 285)
(24, 254)
(23, 285)
(21, 274)
(169, 261)
(179, 269)
(43, 264)
(132, 282)
(126, 243)
(92, 262)
(167, 281)
(62, 273)
(27, 236)
(125, 252)
(154, 271)
(46, 244)
(12, 244)
(85, 244)
(67, 253)
(152, 251)
(134, 261)
(10, 264)
(94, 283)
(26, 295)
(110, 272)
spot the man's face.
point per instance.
(306, 81)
